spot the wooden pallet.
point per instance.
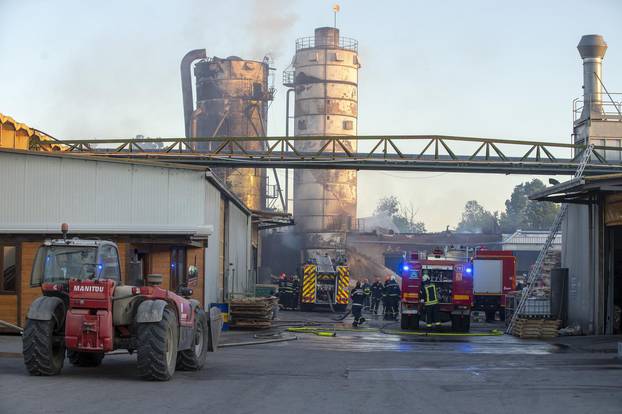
(529, 328)
(252, 313)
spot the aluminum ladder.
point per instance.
(557, 223)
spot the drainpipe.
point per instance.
(186, 86)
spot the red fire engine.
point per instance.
(454, 282)
(493, 277)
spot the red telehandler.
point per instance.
(86, 311)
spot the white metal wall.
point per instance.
(213, 292)
(238, 260)
(44, 191)
(578, 253)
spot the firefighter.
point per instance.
(285, 291)
(358, 297)
(429, 296)
(376, 295)
(393, 292)
(367, 290)
(385, 298)
(295, 292)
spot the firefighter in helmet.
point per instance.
(376, 295)
(358, 297)
(367, 290)
(285, 291)
(429, 296)
(393, 293)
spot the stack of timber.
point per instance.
(252, 313)
(532, 328)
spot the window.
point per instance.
(348, 124)
(8, 269)
(108, 263)
(302, 124)
(179, 276)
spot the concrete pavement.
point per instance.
(354, 372)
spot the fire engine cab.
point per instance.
(454, 282)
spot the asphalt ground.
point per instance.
(356, 371)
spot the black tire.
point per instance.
(42, 354)
(85, 359)
(490, 316)
(157, 347)
(193, 359)
(405, 322)
(455, 323)
(414, 322)
(460, 323)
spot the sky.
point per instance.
(110, 69)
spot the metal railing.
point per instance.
(309, 42)
(607, 108)
(289, 77)
(404, 152)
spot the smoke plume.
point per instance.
(268, 27)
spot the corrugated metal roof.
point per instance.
(22, 136)
(529, 237)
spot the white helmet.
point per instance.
(426, 278)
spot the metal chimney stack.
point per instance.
(592, 49)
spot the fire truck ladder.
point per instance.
(537, 267)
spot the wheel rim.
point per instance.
(198, 347)
(169, 345)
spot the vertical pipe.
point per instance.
(287, 118)
(186, 85)
(592, 49)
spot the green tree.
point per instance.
(477, 219)
(522, 213)
(388, 205)
(402, 216)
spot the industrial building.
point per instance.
(591, 232)
(325, 81)
(17, 135)
(174, 220)
(232, 97)
(525, 245)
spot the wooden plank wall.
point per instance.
(8, 309)
(196, 256)
(27, 294)
(160, 264)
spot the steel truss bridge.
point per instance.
(396, 152)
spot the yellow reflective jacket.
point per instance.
(430, 294)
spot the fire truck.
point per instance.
(454, 281)
(325, 284)
(493, 278)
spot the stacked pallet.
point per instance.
(251, 313)
(530, 328)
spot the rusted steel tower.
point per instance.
(232, 97)
(325, 80)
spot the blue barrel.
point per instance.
(224, 309)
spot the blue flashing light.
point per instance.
(469, 270)
(100, 267)
(405, 268)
